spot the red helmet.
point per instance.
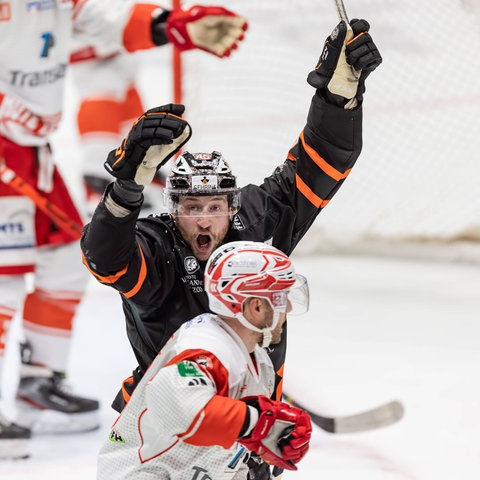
(239, 270)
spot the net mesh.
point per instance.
(415, 186)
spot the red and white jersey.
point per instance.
(184, 417)
(35, 45)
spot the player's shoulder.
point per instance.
(204, 328)
(208, 332)
(156, 226)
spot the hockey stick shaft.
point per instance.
(372, 419)
(342, 13)
(57, 215)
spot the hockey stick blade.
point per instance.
(372, 419)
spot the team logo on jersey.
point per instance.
(191, 264)
(5, 11)
(188, 369)
(200, 474)
(115, 437)
(237, 223)
(16, 225)
(204, 361)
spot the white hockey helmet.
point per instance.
(206, 174)
(239, 270)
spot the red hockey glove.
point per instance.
(153, 139)
(282, 433)
(213, 29)
(348, 56)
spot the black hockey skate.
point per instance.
(46, 405)
(14, 440)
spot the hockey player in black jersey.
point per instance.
(157, 263)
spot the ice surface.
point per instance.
(377, 330)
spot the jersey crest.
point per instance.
(191, 264)
(237, 223)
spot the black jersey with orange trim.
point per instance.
(160, 280)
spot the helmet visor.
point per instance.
(298, 296)
(184, 203)
(293, 301)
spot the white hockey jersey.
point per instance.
(184, 417)
(35, 44)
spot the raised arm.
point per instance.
(136, 26)
(112, 248)
(331, 141)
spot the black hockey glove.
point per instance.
(347, 58)
(153, 139)
(362, 54)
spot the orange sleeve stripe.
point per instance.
(222, 422)
(328, 169)
(291, 157)
(309, 194)
(126, 396)
(104, 279)
(142, 274)
(279, 391)
(137, 33)
(113, 278)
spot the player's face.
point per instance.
(277, 331)
(268, 320)
(203, 222)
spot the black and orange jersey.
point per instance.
(155, 271)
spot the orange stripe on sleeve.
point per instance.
(279, 391)
(291, 157)
(104, 279)
(125, 394)
(222, 422)
(327, 168)
(309, 194)
(137, 33)
(109, 279)
(141, 276)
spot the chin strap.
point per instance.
(266, 331)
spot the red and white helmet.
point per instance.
(240, 270)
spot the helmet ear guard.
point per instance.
(201, 174)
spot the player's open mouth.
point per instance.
(204, 242)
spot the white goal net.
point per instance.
(416, 186)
